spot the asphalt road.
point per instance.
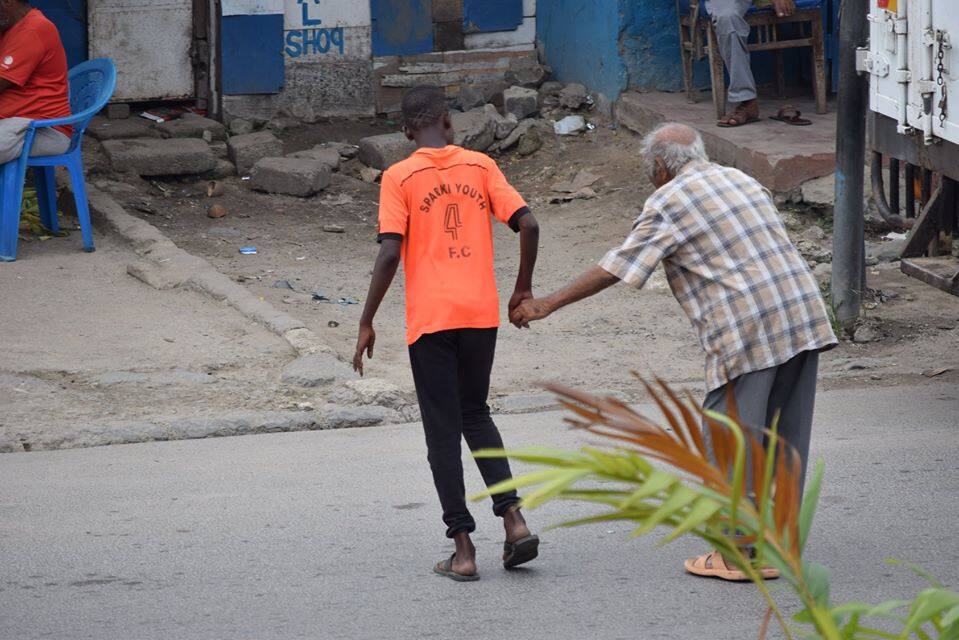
(332, 535)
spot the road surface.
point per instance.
(332, 535)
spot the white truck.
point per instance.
(913, 66)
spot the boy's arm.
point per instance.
(528, 248)
(383, 271)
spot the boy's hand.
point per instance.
(529, 310)
(364, 342)
(518, 296)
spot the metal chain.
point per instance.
(940, 68)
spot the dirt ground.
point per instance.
(593, 344)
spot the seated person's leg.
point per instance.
(732, 34)
(12, 132)
(49, 142)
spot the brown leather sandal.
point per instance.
(791, 115)
(740, 116)
(713, 565)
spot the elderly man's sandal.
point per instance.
(713, 565)
(445, 568)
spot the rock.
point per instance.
(530, 143)
(333, 228)
(241, 423)
(504, 124)
(245, 149)
(153, 157)
(347, 151)
(371, 391)
(223, 169)
(526, 72)
(521, 102)
(573, 96)
(191, 126)
(518, 132)
(814, 233)
(316, 370)
(471, 96)
(583, 178)
(526, 403)
(871, 261)
(240, 127)
(118, 111)
(865, 333)
(283, 123)
(550, 89)
(290, 176)
(823, 273)
(369, 174)
(329, 157)
(216, 211)
(474, 129)
(383, 151)
(885, 251)
(570, 126)
(103, 129)
(9, 444)
(334, 417)
(115, 187)
(219, 149)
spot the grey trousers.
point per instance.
(789, 389)
(46, 142)
(732, 32)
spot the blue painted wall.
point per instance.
(649, 44)
(581, 42)
(71, 21)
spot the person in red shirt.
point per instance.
(436, 213)
(33, 81)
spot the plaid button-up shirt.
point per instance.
(746, 289)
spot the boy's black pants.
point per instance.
(451, 370)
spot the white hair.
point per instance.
(675, 151)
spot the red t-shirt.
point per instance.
(33, 60)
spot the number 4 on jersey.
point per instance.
(452, 221)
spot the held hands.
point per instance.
(784, 8)
(364, 342)
(528, 310)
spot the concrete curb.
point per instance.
(163, 265)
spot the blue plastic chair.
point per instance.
(91, 87)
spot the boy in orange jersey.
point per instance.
(435, 214)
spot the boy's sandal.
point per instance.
(445, 568)
(713, 565)
(739, 117)
(791, 115)
(520, 551)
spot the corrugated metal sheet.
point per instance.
(150, 44)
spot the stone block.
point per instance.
(327, 155)
(475, 129)
(244, 150)
(550, 88)
(471, 96)
(191, 126)
(526, 72)
(383, 151)
(504, 124)
(334, 417)
(521, 101)
(103, 129)
(240, 127)
(118, 111)
(316, 370)
(219, 149)
(573, 96)
(153, 157)
(290, 176)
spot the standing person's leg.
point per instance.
(794, 396)
(477, 349)
(434, 361)
(751, 392)
(732, 34)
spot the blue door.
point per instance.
(491, 15)
(251, 53)
(402, 27)
(70, 16)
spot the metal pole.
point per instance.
(848, 220)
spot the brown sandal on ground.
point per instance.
(739, 117)
(713, 565)
(445, 568)
(791, 115)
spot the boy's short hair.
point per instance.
(423, 106)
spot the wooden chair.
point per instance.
(697, 39)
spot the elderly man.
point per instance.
(33, 81)
(747, 291)
(732, 34)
